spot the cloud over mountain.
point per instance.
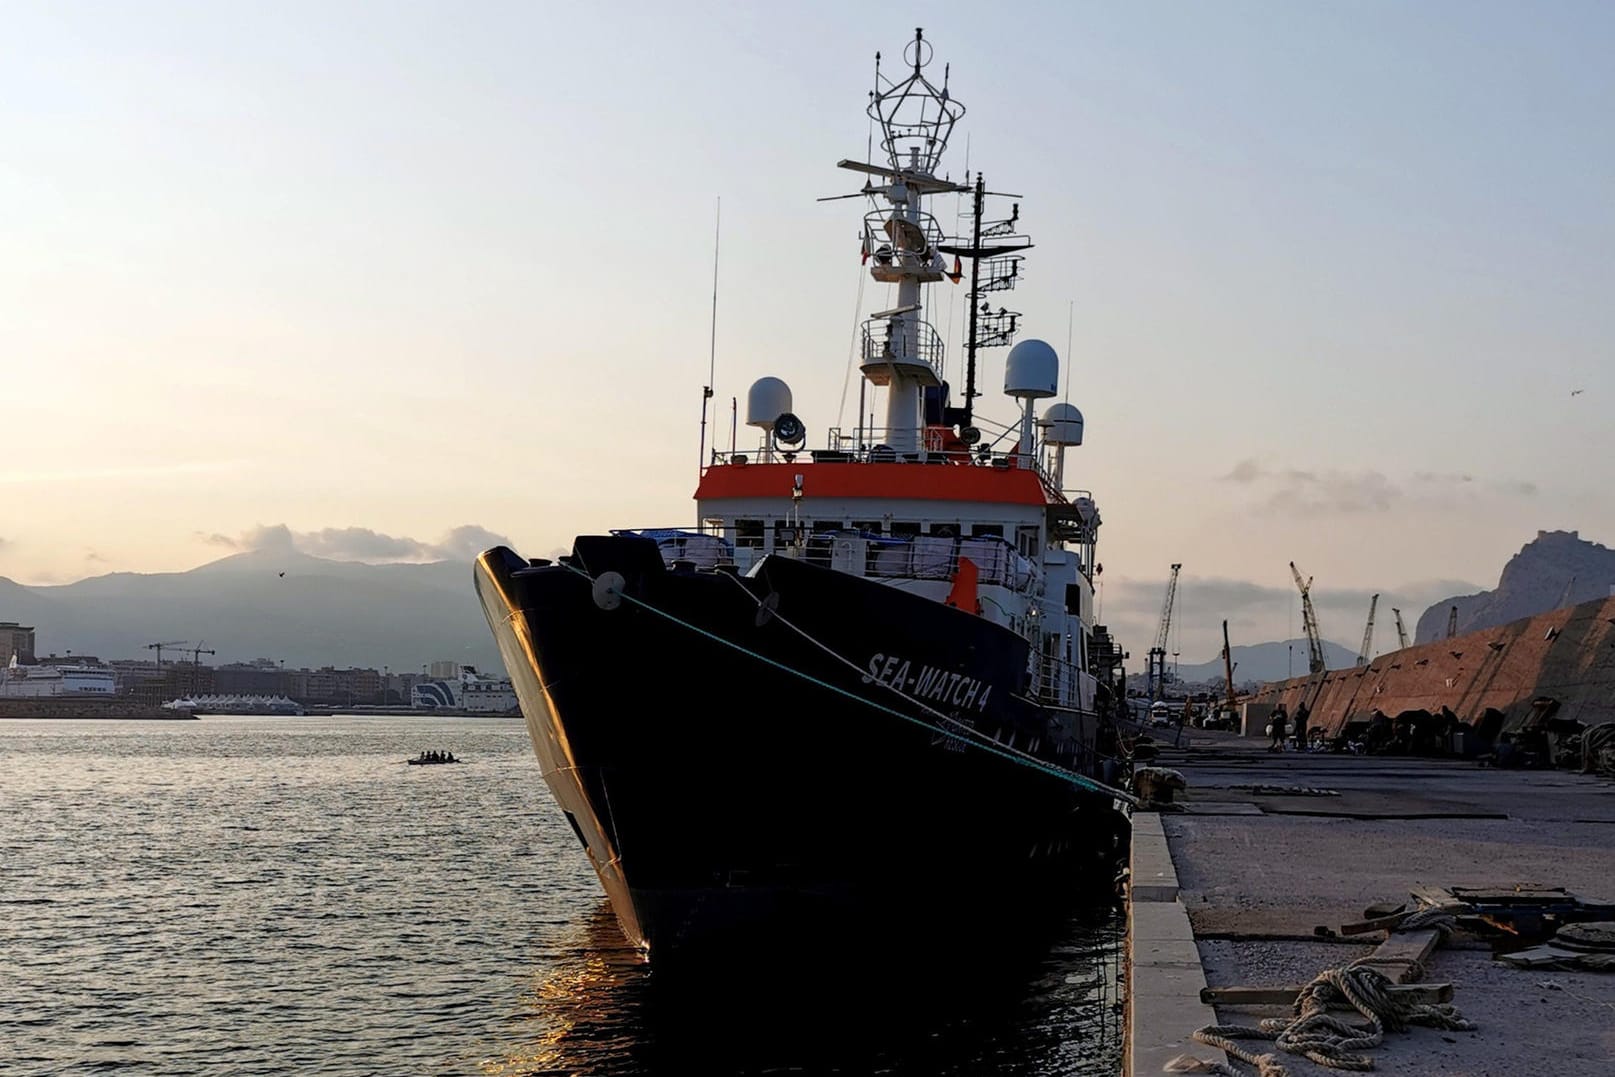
(361, 543)
(1298, 491)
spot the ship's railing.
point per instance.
(889, 235)
(700, 549)
(1058, 681)
(893, 340)
(868, 445)
(936, 557)
(919, 557)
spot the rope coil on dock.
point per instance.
(1330, 1041)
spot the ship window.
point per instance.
(749, 533)
(1026, 541)
(905, 530)
(987, 530)
(945, 530)
(872, 527)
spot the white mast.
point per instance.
(902, 351)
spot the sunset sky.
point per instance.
(378, 273)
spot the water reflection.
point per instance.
(1041, 1006)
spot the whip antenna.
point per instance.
(712, 347)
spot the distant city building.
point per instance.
(18, 640)
(447, 670)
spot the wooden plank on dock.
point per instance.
(1403, 954)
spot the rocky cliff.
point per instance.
(1557, 568)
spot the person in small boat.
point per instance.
(451, 758)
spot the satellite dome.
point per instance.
(1032, 370)
(767, 400)
(1064, 425)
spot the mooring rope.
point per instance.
(986, 745)
(1330, 1041)
(947, 719)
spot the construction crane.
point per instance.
(1228, 672)
(1452, 621)
(1309, 621)
(1157, 658)
(171, 644)
(1401, 632)
(198, 651)
(1364, 653)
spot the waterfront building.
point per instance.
(16, 639)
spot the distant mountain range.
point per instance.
(306, 611)
(1272, 661)
(1557, 568)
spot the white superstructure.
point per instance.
(33, 682)
(471, 691)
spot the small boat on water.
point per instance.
(433, 759)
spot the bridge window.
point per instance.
(987, 530)
(749, 533)
(872, 527)
(1026, 541)
(904, 529)
(945, 530)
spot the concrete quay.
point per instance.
(1227, 892)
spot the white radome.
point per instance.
(1032, 370)
(767, 400)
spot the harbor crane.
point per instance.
(173, 644)
(1401, 632)
(1309, 620)
(1452, 621)
(1365, 652)
(1157, 657)
(199, 650)
(1232, 704)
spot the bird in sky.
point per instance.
(1577, 392)
(283, 575)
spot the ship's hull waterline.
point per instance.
(757, 760)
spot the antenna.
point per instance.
(712, 347)
(1070, 315)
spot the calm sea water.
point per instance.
(273, 895)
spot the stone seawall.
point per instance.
(55, 707)
(1495, 680)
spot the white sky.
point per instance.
(1335, 270)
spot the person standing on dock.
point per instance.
(1301, 726)
(1275, 729)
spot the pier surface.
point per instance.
(1228, 891)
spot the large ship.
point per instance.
(867, 691)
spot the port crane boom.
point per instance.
(1401, 632)
(1364, 653)
(1157, 657)
(171, 644)
(199, 650)
(1309, 621)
